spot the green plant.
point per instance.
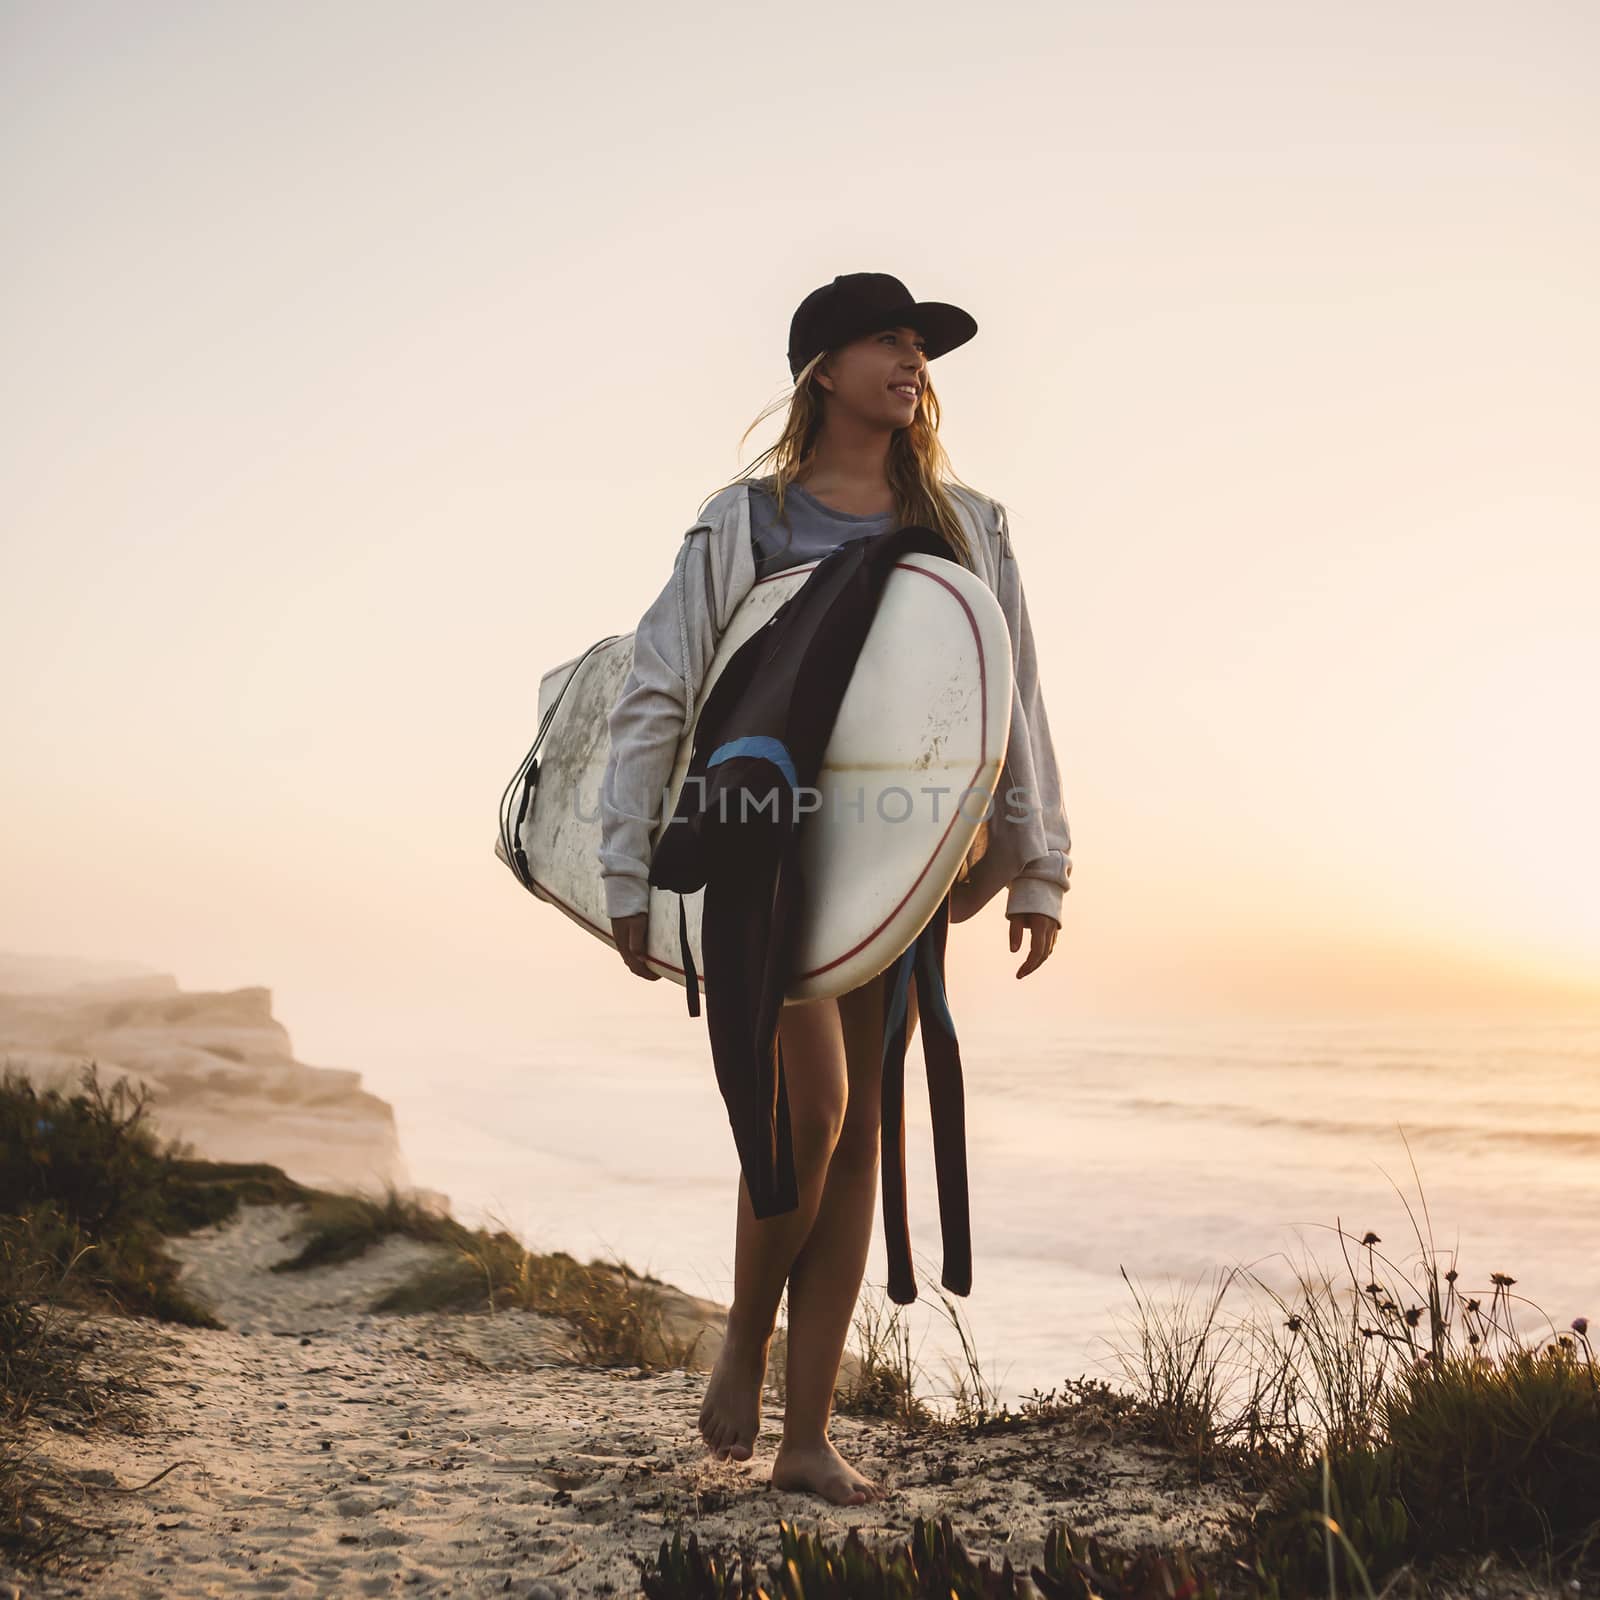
(343, 1227)
(1179, 1368)
(1345, 1516)
(687, 1572)
(88, 1182)
(932, 1564)
(1501, 1454)
(91, 1153)
(1393, 1417)
(45, 1378)
(885, 1380)
(618, 1316)
(974, 1398)
(1146, 1574)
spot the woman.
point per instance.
(859, 455)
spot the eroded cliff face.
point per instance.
(220, 1067)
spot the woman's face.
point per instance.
(878, 378)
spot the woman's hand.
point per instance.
(629, 933)
(1042, 931)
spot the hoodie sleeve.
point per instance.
(1042, 882)
(646, 726)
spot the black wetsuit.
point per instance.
(761, 736)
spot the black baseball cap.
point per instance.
(858, 303)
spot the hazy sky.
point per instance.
(362, 361)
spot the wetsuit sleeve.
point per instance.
(646, 726)
(1041, 883)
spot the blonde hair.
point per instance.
(917, 466)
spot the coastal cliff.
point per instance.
(220, 1069)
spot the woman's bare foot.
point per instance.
(730, 1417)
(821, 1469)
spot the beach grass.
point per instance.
(884, 1378)
(42, 1375)
(1386, 1422)
(55, 1374)
(931, 1563)
(335, 1228)
(1383, 1422)
(94, 1190)
(618, 1316)
(1389, 1400)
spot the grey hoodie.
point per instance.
(1029, 850)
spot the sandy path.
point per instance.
(336, 1452)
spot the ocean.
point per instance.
(1169, 1153)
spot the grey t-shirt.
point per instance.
(813, 529)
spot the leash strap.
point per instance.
(924, 960)
(691, 978)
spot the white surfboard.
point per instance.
(908, 775)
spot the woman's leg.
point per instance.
(826, 1277)
(814, 1069)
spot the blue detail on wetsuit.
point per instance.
(899, 984)
(941, 1007)
(763, 747)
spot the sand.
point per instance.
(312, 1448)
